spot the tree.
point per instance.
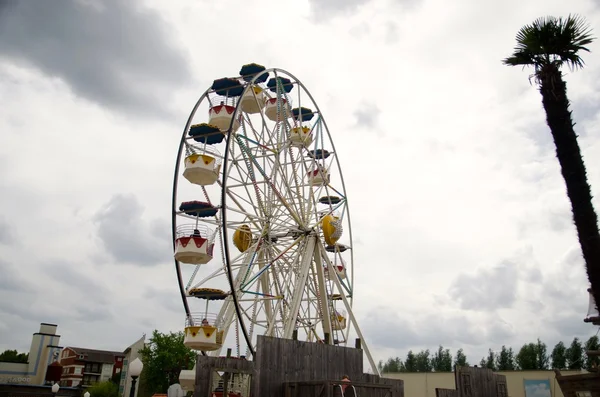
(592, 362)
(164, 357)
(461, 359)
(392, 365)
(526, 359)
(505, 360)
(442, 360)
(541, 353)
(489, 362)
(411, 362)
(13, 356)
(559, 356)
(104, 389)
(575, 355)
(548, 44)
(423, 361)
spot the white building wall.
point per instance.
(132, 354)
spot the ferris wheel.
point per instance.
(261, 223)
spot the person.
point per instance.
(346, 379)
(205, 322)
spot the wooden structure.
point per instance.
(294, 369)
(581, 385)
(475, 382)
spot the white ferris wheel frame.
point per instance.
(231, 312)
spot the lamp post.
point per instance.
(55, 389)
(135, 369)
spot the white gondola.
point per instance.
(318, 176)
(203, 332)
(253, 100)
(273, 106)
(301, 136)
(338, 320)
(194, 244)
(203, 166)
(221, 116)
(339, 267)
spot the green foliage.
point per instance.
(490, 361)
(505, 360)
(551, 40)
(559, 356)
(104, 389)
(527, 358)
(542, 358)
(423, 361)
(575, 355)
(461, 359)
(592, 362)
(164, 357)
(532, 356)
(442, 360)
(392, 365)
(12, 356)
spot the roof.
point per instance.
(98, 356)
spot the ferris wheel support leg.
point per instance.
(353, 319)
(323, 298)
(228, 309)
(307, 259)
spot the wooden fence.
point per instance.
(295, 368)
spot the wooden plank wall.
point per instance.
(479, 382)
(571, 384)
(205, 365)
(446, 392)
(283, 360)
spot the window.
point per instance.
(583, 393)
(466, 385)
(502, 390)
(78, 371)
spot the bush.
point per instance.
(104, 389)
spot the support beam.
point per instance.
(351, 315)
(323, 298)
(300, 287)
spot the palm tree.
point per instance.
(548, 44)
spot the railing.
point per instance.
(189, 230)
(207, 150)
(333, 388)
(197, 320)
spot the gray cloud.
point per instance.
(69, 274)
(323, 9)
(7, 235)
(367, 116)
(115, 53)
(167, 298)
(11, 280)
(486, 289)
(128, 237)
(390, 330)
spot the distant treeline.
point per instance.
(531, 356)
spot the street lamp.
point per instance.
(135, 369)
(55, 388)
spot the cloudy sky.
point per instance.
(462, 225)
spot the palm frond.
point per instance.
(551, 40)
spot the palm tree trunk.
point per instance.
(558, 117)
